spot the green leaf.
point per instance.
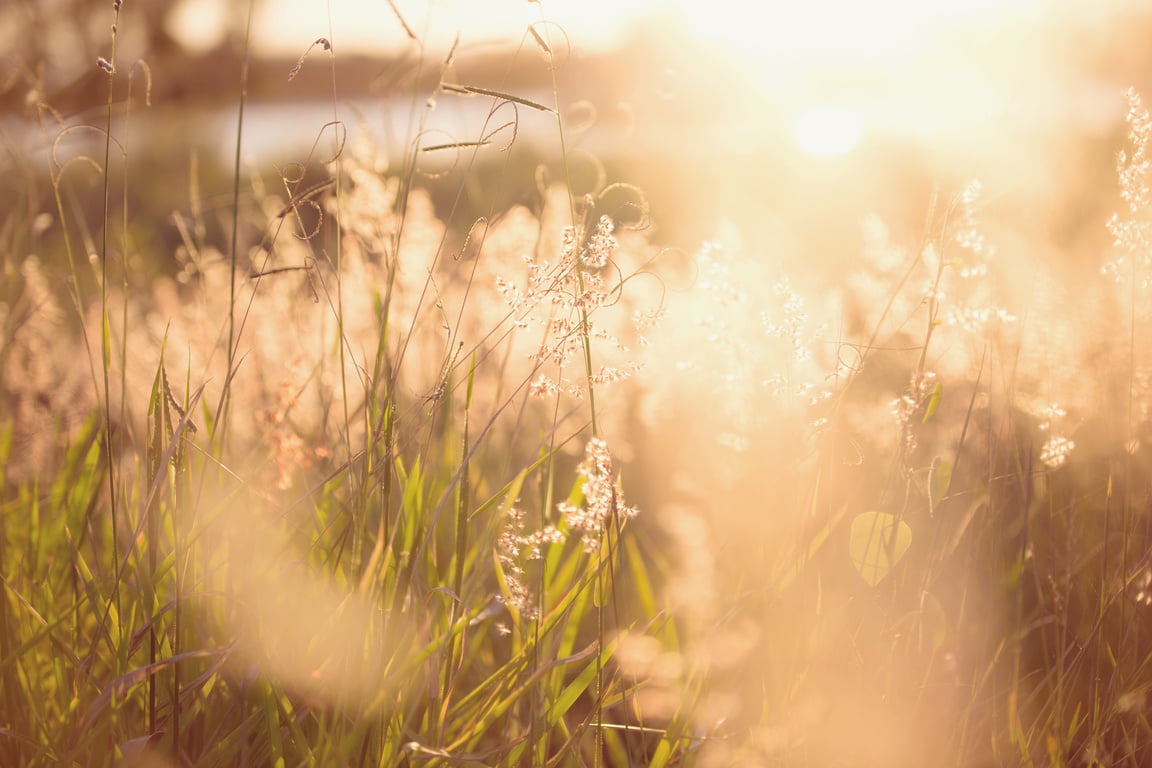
(471, 382)
(933, 402)
(106, 338)
(559, 706)
(877, 542)
(939, 478)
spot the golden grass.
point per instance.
(343, 470)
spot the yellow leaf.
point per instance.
(877, 541)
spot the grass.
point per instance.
(361, 467)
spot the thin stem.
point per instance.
(105, 335)
(218, 424)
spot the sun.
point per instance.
(827, 130)
(842, 71)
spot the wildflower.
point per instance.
(601, 245)
(514, 546)
(1049, 414)
(1057, 448)
(602, 500)
(1055, 452)
(561, 299)
(1141, 587)
(908, 405)
(1132, 231)
(978, 319)
(967, 235)
(792, 327)
(287, 450)
(543, 386)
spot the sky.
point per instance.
(784, 27)
(285, 27)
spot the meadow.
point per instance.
(453, 446)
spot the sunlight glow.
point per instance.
(199, 25)
(840, 29)
(370, 26)
(827, 131)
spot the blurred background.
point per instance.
(781, 122)
(821, 141)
